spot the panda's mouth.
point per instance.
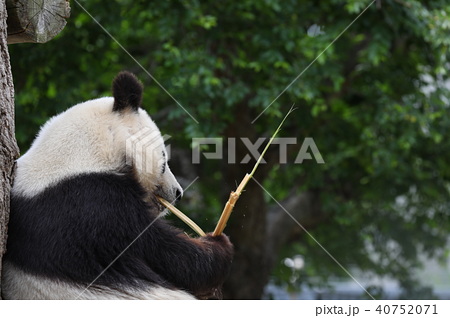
(159, 192)
(161, 207)
(158, 207)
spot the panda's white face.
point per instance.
(146, 153)
(94, 137)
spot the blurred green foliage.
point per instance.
(376, 103)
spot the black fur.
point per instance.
(73, 230)
(127, 92)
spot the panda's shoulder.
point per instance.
(105, 197)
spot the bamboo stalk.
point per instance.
(226, 213)
(182, 216)
(234, 195)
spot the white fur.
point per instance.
(17, 284)
(90, 137)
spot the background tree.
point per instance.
(19, 20)
(375, 102)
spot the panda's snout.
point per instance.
(169, 187)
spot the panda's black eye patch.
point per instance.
(164, 164)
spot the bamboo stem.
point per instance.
(234, 196)
(182, 216)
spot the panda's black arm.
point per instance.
(197, 265)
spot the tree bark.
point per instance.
(36, 21)
(8, 146)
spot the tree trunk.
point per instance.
(8, 146)
(247, 225)
(259, 232)
(36, 21)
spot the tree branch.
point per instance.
(36, 21)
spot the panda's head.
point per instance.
(144, 149)
(101, 135)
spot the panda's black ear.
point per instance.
(127, 92)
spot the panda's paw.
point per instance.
(222, 238)
(223, 252)
(221, 242)
(220, 253)
(212, 294)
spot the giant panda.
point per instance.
(85, 222)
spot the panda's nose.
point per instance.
(178, 194)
